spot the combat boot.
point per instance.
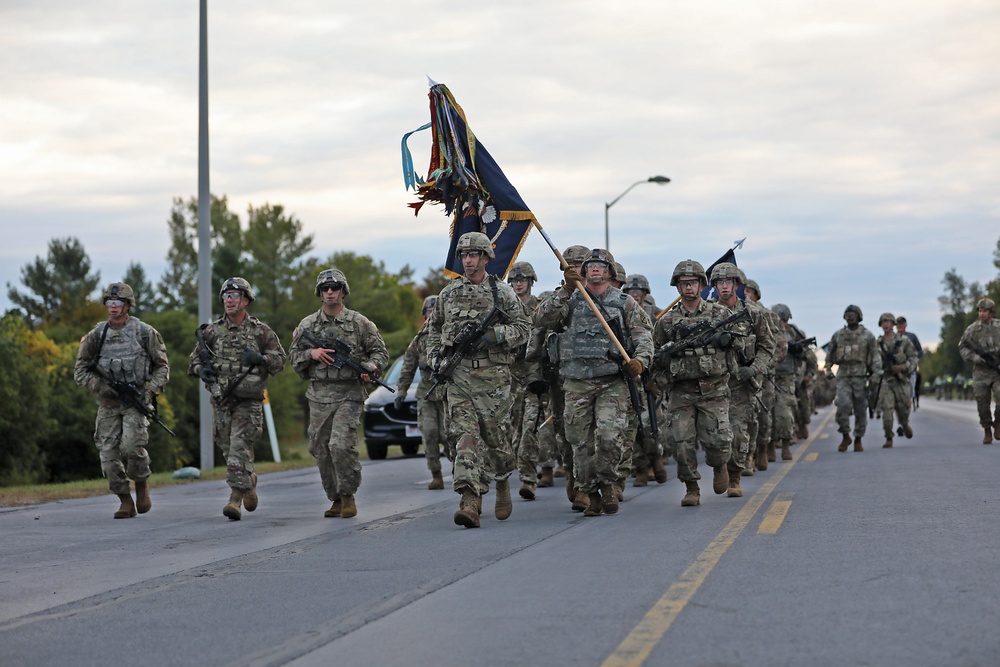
(803, 432)
(467, 514)
(594, 504)
(751, 464)
(693, 496)
(503, 506)
(619, 489)
(437, 481)
(232, 508)
(545, 479)
(348, 510)
(335, 509)
(659, 470)
(581, 501)
(559, 472)
(996, 429)
(771, 453)
(143, 503)
(720, 479)
(250, 496)
(786, 452)
(907, 431)
(641, 475)
(527, 491)
(987, 435)
(845, 443)
(609, 500)
(734, 490)
(858, 447)
(888, 442)
(127, 508)
(570, 491)
(761, 461)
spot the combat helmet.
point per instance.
(886, 316)
(522, 270)
(728, 271)
(752, 284)
(688, 267)
(856, 309)
(474, 241)
(600, 255)
(636, 281)
(332, 275)
(782, 311)
(619, 272)
(988, 304)
(429, 302)
(575, 254)
(121, 291)
(237, 283)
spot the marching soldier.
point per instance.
(853, 349)
(899, 362)
(980, 344)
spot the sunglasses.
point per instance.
(118, 303)
(474, 254)
(232, 296)
(331, 287)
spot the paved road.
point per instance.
(886, 557)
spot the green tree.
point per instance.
(145, 294)
(59, 286)
(434, 282)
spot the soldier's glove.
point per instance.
(830, 374)
(208, 374)
(252, 357)
(571, 276)
(634, 367)
(897, 369)
(976, 359)
(744, 373)
(490, 337)
(398, 401)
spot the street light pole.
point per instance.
(652, 179)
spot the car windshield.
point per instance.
(391, 377)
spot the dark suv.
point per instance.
(384, 425)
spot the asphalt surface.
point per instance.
(883, 557)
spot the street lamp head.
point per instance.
(659, 179)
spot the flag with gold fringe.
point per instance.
(465, 178)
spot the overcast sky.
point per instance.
(854, 144)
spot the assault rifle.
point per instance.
(205, 358)
(342, 356)
(989, 358)
(797, 347)
(703, 334)
(630, 382)
(466, 342)
(873, 399)
(130, 395)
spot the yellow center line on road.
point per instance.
(772, 520)
(812, 456)
(639, 643)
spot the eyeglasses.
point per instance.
(688, 283)
(474, 254)
(118, 303)
(331, 287)
(725, 281)
(232, 296)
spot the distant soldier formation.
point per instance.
(589, 381)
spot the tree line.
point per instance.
(47, 421)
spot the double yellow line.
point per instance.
(639, 643)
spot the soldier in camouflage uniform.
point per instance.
(899, 361)
(430, 410)
(787, 376)
(479, 400)
(647, 453)
(123, 349)
(753, 349)
(697, 382)
(246, 351)
(528, 391)
(597, 396)
(980, 344)
(336, 394)
(853, 349)
(762, 449)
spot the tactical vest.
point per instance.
(745, 346)
(895, 355)
(584, 346)
(852, 350)
(329, 331)
(466, 302)
(229, 346)
(123, 355)
(788, 365)
(693, 364)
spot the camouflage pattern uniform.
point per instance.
(432, 409)
(336, 395)
(787, 376)
(984, 338)
(479, 400)
(855, 352)
(899, 362)
(647, 451)
(597, 397)
(239, 420)
(698, 390)
(762, 448)
(133, 353)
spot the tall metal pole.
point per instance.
(204, 234)
(652, 179)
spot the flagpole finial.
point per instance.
(739, 244)
(431, 82)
